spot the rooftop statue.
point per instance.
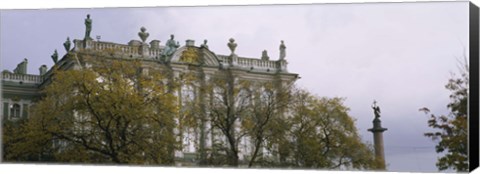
(376, 109)
(143, 34)
(265, 55)
(282, 50)
(67, 44)
(88, 26)
(204, 45)
(21, 67)
(170, 46)
(232, 45)
(55, 56)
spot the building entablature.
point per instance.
(188, 54)
(21, 78)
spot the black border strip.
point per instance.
(473, 132)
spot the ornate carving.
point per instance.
(204, 45)
(190, 55)
(21, 67)
(143, 34)
(67, 44)
(88, 27)
(170, 47)
(55, 56)
(265, 55)
(282, 50)
(376, 109)
(232, 45)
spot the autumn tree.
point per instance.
(109, 111)
(228, 103)
(192, 117)
(323, 135)
(268, 105)
(451, 129)
(284, 126)
(15, 147)
(123, 112)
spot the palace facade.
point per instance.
(21, 89)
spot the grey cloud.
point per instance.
(400, 54)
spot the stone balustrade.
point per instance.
(25, 78)
(155, 52)
(101, 46)
(134, 51)
(245, 62)
(249, 63)
(147, 52)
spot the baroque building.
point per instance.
(20, 89)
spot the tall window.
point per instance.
(5, 110)
(15, 111)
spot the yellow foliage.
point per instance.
(190, 55)
(108, 113)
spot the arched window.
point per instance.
(15, 111)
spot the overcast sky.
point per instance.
(400, 54)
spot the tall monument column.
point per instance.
(377, 131)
